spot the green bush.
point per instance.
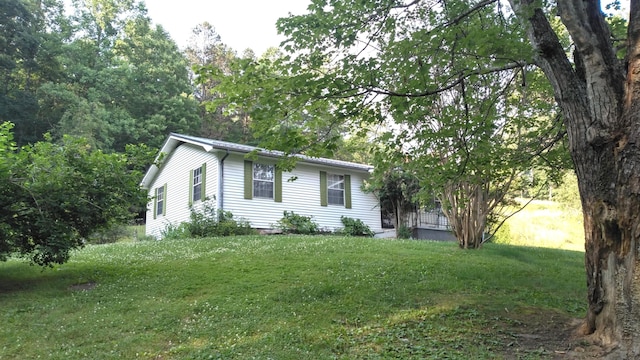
(404, 232)
(208, 222)
(172, 232)
(228, 226)
(110, 234)
(355, 227)
(292, 223)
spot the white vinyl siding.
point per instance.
(300, 196)
(175, 173)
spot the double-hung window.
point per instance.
(160, 201)
(197, 184)
(263, 180)
(335, 189)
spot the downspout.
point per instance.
(221, 182)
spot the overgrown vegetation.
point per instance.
(110, 235)
(404, 232)
(54, 196)
(292, 223)
(290, 297)
(544, 224)
(206, 221)
(355, 227)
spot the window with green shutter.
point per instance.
(197, 178)
(335, 189)
(262, 181)
(160, 201)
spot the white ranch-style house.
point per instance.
(193, 169)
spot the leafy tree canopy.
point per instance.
(104, 73)
(54, 195)
(452, 83)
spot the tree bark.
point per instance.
(466, 206)
(601, 112)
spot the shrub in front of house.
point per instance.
(355, 227)
(404, 232)
(292, 223)
(227, 225)
(208, 222)
(172, 232)
(110, 234)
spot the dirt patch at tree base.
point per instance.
(547, 335)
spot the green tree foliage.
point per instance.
(128, 82)
(289, 123)
(103, 73)
(567, 193)
(55, 195)
(206, 49)
(397, 191)
(30, 35)
(453, 84)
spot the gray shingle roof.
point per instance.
(209, 145)
(245, 149)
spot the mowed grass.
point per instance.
(284, 297)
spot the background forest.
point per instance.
(103, 71)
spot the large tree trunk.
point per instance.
(601, 116)
(466, 206)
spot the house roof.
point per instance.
(210, 145)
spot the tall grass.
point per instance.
(544, 224)
(283, 297)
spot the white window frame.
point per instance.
(160, 198)
(197, 185)
(261, 184)
(335, 185)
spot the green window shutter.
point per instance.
(164, 200)
(203, 177)
(323, 189)
(278, 186)
(248, 179)
(347, 191)
(190, 188)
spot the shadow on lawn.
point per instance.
(16, 277)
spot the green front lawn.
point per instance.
(288, 297)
